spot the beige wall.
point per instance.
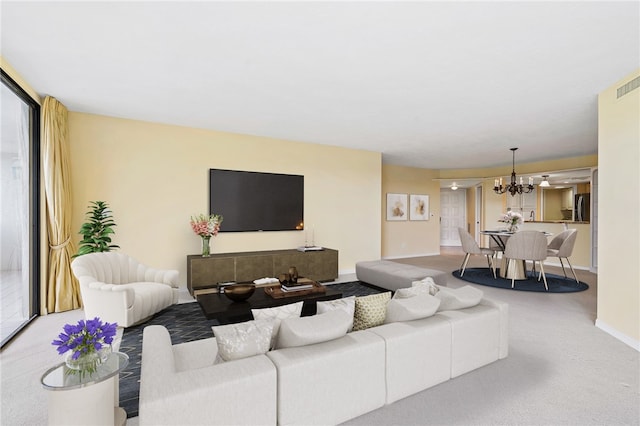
(410, 238)
(155, 177)
(618, 218)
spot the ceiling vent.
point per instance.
(632, 85)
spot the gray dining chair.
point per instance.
(470, 246)
(527, 245)
(561, 246)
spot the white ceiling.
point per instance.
(429, 84)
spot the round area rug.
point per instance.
(556, 283)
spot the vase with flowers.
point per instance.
(206, 227)
(88, 344)
(512, 219)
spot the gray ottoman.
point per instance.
(393, 275)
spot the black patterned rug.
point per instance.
(185, 323)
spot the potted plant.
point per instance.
(96, 233)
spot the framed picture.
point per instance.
(418, 207)
(396, 206)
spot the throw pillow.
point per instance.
(370, 310)
(314, 329)
(411, 308)
(347, 304)
(458, 298)
(428, 284)
(278, 313)
(242, 340)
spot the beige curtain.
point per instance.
(62, 291)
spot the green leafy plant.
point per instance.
(96, 233)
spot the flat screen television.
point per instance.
(255, 201)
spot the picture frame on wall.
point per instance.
(396, 207)
(418, 207)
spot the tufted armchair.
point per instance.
(117, 288)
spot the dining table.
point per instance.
(517, 269)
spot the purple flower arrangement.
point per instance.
(87, 338)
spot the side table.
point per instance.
(90, 400)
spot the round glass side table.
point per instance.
(90, 399)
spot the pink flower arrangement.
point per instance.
(206, 226)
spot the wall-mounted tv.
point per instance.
(255, 201)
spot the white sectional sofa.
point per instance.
(322, 383)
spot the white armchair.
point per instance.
(117, 288)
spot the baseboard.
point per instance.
(635, 344)
(581, 268)
(409, 256)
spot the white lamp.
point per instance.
(545, 181)
(454, 186)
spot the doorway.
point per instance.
(452, 216)
(19, 208)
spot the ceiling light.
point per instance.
(545, 180)
(513, 188)
(454, 186)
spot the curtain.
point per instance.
(62, 291)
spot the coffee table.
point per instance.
(219, 307)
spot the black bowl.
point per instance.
(239, 292)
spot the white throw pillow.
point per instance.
(278, 313)
(242, 340)
(314, 329)
(347, 304)
(458, 298)
(428, 284)
(411, 308)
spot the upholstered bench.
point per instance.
(393, 275)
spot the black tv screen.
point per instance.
(254, 201)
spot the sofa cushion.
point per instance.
(278, 313)
(242, 340)
(330, 382)
(370, 310)
(347, 304)
(411, 308)
(458, 298)
(314, 329)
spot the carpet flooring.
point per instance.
(185, 323)
(556, 283)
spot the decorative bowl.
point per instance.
(239, 292)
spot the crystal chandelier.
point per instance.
(513, 188)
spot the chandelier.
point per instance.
(513, 188)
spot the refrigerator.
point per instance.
(582, 208)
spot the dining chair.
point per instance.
(470, 246)
(561, 246)
(527, 245)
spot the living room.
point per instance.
(154, 177)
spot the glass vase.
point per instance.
(206, 249)
(87, 364)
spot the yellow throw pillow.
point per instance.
(370, 310)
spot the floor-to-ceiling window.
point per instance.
(19, 207)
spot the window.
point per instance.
(19, 208)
